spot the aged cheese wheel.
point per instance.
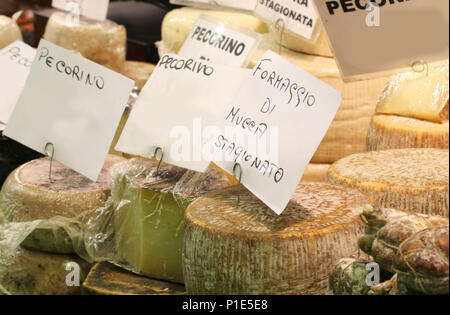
(348, 277)
(419, 95)
(9, 31)
(315, 172)
(28, 195)
(414, 180)
(149, 207)
(107, 279)
(348, 131)
(32, 272)
(178, 24)
(395, 132)
(138, 71)
(101, 42)
(249, 249)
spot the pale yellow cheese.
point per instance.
(315, 172)
(248, 249)
(9, 31)
(415, 180)
(101, 42)
(396, 132)
(419, 95)
(178, 24)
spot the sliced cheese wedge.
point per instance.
(9, 31)
(396, 132)
(248, 249)
(415, 180)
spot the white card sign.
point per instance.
(247, 5)
(219, 42)
(15, 65)
(177, 108)
(295, 108)
(92, 9)
(370, 38)
(298, 16)
(73, 103)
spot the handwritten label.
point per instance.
(247, 5)
(218, 42)
(295, 108)
(73, 103)
(298, 16)
(15, 64)
(92, 9)
(177, 109)
(385, 36)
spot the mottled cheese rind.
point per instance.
(248, 249)
(414, 180)
(396, 132)
(102, 42)
(9, 31)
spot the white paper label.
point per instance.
(247, 5)
(15, 64)
(278, 119)
(92, 9)
(298, 16)
(371, 37)
(217, 42)
(73, 103)
(177, 108)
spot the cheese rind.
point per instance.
(395, 132)
(414, 180)
(348, 277)
(9, 31)
(248, 249)
(102, 42)
(315, 172)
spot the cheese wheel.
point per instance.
(419, 95)
(149, 207)
(414, 180)
(395, 132)
(348, 131)
(138, 71)
(9, 31)
(35, 273)
(315, 172)
(102, 42)
(249, 249)
(28, 194)
(107, 279)
(178, 23)
(348, 277)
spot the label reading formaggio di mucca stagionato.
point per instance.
(226, 305)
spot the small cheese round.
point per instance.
(28, 194)
(9, 31)
(102, 42)
(249, 249)
(414, 180)
(138, 71)
(395, 132)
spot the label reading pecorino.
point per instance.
(218, 42)
(73, 104)
(278, 119)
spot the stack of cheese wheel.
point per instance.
(102, 42)
(412, 112)
(29, 195)
(246, 248)
(149, 206)
(9, 31)
(347, 134)
(414, 180)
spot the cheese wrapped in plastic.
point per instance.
(421, 95)
(9, 31)
(102, 42)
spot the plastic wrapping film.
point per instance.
(422, 95)
(102, 42)
(9, 31)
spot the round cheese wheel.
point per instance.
(102, 42)
(248, 249)
(9, 31)
(138, 71)
(29, 195)
(414, 180)
(395, 132)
